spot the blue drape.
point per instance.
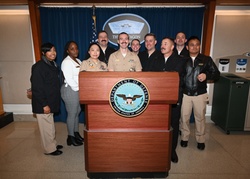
(61, 24)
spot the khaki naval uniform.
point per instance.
(90, 65)
(130, 62)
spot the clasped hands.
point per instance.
(201, 77)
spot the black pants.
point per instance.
(175, 123)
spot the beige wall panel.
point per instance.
(16, 58)
(15, 81)
(231, 36)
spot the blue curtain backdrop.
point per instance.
(61, 24)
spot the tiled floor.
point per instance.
(21, 157)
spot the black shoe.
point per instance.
(184, 143)
(201, 146)
(78, 136)
(58, 147)
(73, 141)
(174, 157)
(55, 153)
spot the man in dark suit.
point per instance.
(106, 50)
(180, 45)
(173, 62)
(151, 57)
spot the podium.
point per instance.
(5, 117)
(118, 146)
(1, 102)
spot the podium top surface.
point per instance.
(96, 87)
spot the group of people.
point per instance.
(176, 55)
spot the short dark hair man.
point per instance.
(180, 45)
(198, 69)
(150, 58)
(106, 50)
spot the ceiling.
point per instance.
(128, 2)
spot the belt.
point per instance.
(191, 93)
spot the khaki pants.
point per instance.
(198, 104)
(47, 132)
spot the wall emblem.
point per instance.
(134, 25)
(129, 97)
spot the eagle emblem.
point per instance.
(129, 99)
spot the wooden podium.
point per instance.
(1, 102)
(118, 146)
(5, 117)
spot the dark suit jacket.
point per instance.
(45, 85)
(152, 63)
(175, 63)
(184, 52)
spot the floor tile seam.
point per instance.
(212, 175)
(209, 173)
(235, 159)
(13, 148)
(42, 171)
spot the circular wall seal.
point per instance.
(134, 25)
(129, 97)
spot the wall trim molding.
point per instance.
(18, 108)
(232, 10)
